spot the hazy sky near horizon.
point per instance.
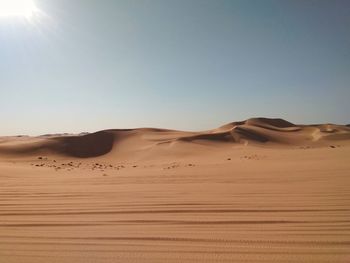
(87, 65)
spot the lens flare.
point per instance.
(17, 8)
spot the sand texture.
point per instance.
(260, 190)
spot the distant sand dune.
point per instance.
(259, 131)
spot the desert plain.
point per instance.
(260, 190)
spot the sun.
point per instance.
(17, 8)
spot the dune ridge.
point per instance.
(256, 131)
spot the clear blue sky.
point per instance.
(87, 65)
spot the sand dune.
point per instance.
(260, 190)
(257, 131)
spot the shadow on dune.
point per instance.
(277, 123)
(82, 146)
(218, 137)
(90, 145)
(250, 134)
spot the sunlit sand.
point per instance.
(262, 190)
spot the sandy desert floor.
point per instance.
(241, 203)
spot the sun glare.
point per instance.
(17, 8)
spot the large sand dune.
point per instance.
(255, 131)
(260, 190)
